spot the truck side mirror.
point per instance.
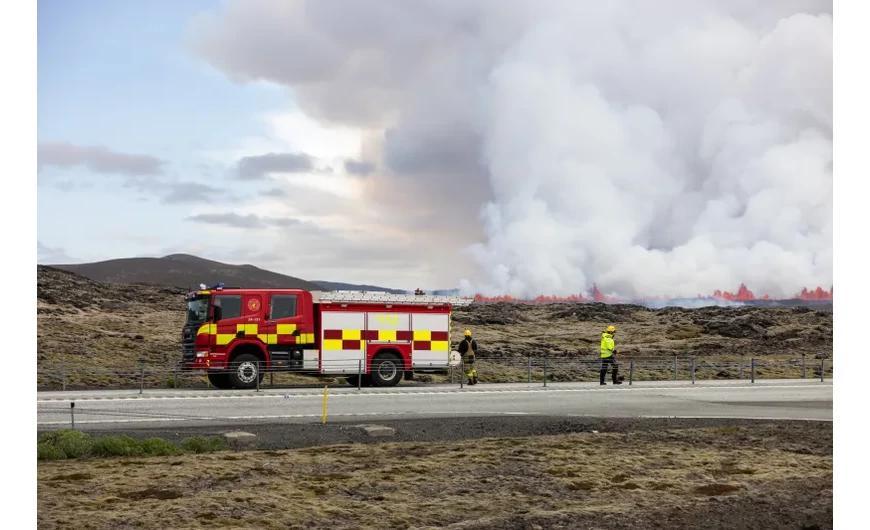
(266, 316)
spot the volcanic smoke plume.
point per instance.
(669, 147)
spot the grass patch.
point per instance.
(201, 444)
(68, 444)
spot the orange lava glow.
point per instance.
(743, 294)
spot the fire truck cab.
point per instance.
(237, 335)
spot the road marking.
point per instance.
(144, 397)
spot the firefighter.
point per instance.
(468, 348)
(608, 356)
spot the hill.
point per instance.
(185, 271)
(339, 286)
(101, 330)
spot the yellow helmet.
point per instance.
(611, 329)
(467, 333)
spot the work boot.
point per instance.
(602, 374)
(475, 379)
(616, 380)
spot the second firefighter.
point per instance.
(468, 349)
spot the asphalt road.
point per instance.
(799, 399)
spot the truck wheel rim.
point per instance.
(247, 372)
(387, 370)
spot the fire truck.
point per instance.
(371, 338)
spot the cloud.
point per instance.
(274, 192)
(189, 192)
(46, 255)
(97, 159)
(249, 221)
(358, 167)
(674, 147)
(257, 167)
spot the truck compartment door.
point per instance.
(431, 345)
(343, 342)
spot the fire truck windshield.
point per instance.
(197, 310)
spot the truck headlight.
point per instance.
(201, 354)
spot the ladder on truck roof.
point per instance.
(381, 297)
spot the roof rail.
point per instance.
(381, 297)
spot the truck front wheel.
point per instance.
(245, 370)
(221, 381)
(387, 370)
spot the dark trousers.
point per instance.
(605, 363)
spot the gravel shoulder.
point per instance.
(517, 472)
(278, 436)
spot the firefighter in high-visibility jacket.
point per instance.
(467, 349)
(608, 356)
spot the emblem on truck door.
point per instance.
(253, 304)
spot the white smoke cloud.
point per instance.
(656, 148)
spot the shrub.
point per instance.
(116, 446)
(158, 447)
(72, 444)
(63, 444)
(201, 444)
(45, 451)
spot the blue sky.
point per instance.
(117, 72)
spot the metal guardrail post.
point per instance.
(175, 375)
(529, 370)
(257, 377)
(803, 366)
(545, 371)
(141, 375)
(452, 375)
(823, 371)
(693, 369)
(63, 373)
(72, 414)
(741, 367)
(271, 378)
(462, 374)
(752, 369)
(675, 367)
(359, 376)
(630, 372)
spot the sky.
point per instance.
(538, 148)
(147, 150)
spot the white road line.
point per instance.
(427, 393)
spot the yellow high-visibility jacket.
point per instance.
(607, 345)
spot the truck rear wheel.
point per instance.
(387, 370)
(353, 380)
(245, 370)
(221, 381)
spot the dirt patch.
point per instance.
(717, 489)
(151, 493)
(638, 479)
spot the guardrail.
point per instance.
(541, 369)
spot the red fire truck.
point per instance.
(237, 335)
